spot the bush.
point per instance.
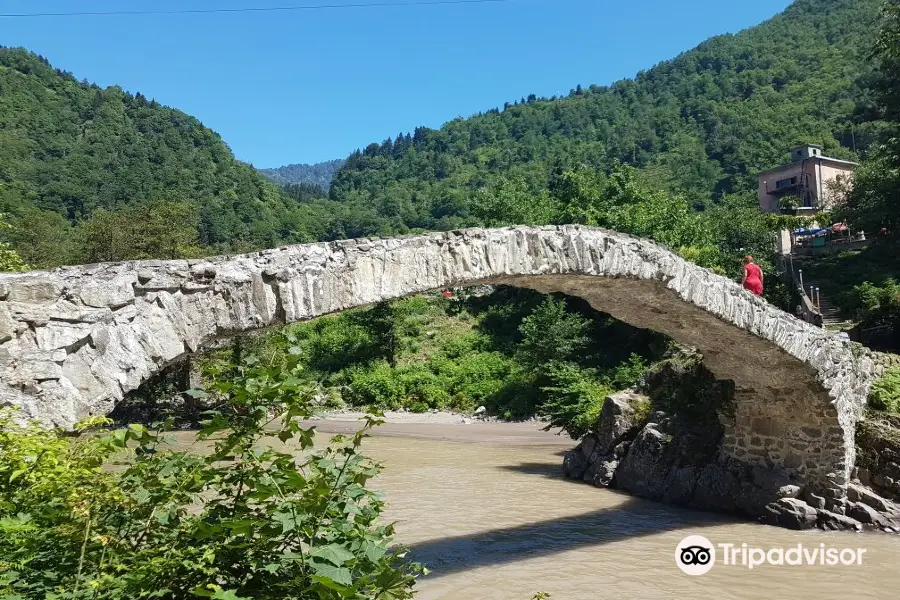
(574, 399)
(376, 385)
(885, 393)
(627, 374)
(551, 334)
(334, 343)
(245, 521)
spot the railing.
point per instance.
(809, 309)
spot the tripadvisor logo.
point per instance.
(696, 555)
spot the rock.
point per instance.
(776, 482)
(642, 472)
(680, 486)
(467, 421)
(7, 324)
(883, 481)
(858, 493)
(716, 489)
(863, 476)
(866, 514)
(588, 445)
(480, 410)
(36, 291)
(791, 513)
(61, 335)
(37, 315)
(830, 521)
(616, 419)
(109, 294)
(817, 502)
(602, 472)
(574, 464)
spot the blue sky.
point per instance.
(307, 86)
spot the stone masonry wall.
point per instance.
(74, 340)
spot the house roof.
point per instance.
(824, 159)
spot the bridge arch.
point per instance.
(75, 340)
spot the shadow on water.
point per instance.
(541, 469)
(632, 518)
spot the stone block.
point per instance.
(791, 513)
(34, 291)
(112, 294)
(61, 335)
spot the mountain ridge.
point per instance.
(318, 174)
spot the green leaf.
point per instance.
(339, 575)
(333, 553)
(196, 393)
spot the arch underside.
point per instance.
(73, 341)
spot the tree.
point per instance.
(243, 520)
(9, 258)
(872, 203)
(551, 335)
(161, 230)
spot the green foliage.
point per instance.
(574, 399)
(885, 393)
(74, 154)
(9, 258)
(551, 334)
(160, 230)
(500, 351)
(247, 519)
(318, 175)
(376, 385)
(700, 124)
(872, 201)
(872, 302)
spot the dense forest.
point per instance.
(319, 174)
(80, 164)
(702, 124)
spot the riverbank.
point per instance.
(448, 427)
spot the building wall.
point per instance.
(827, 173)
(819, 173)
(767, 203)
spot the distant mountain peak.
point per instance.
(318, 174)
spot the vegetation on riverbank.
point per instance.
(232, 518)
(515, 352)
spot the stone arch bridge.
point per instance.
(75, 340)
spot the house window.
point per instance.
(785, 183)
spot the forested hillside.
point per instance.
(319, 174)
(72, 153)
(700, 124)
(90, 174)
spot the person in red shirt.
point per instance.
(753, 276)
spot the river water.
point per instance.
(486, 508)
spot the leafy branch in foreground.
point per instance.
(257, 513)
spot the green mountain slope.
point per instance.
(700, 124)
(69, 149)
(319, 174)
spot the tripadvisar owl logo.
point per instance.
(695, 555)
